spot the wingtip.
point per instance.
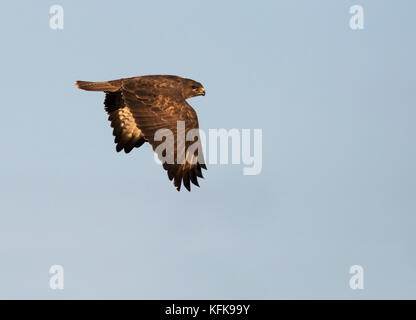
(188, 187)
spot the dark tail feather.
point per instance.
(97, 86)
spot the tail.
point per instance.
(107, 86)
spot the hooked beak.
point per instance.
(202, 91)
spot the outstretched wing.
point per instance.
(127, 134)
(153, 112)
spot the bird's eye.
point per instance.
(194, 87)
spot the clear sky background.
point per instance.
(337, 110)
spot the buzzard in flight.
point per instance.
(147, 108)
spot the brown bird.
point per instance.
(138, 107)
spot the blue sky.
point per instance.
(336, 108)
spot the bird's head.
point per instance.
(192, 88)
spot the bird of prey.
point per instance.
(140, 106)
